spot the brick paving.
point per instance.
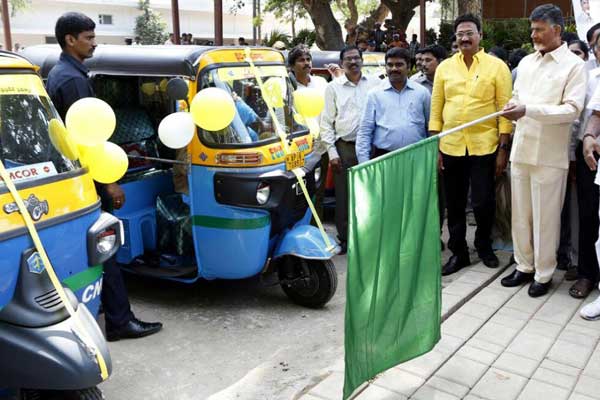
(497, 344)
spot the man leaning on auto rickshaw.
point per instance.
(68, 82)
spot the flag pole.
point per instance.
(470, 124)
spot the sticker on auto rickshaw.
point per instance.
(32, 171)
(21, 84)
(237, 73)
(294, 160)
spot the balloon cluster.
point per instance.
(89, 124)
(212, 109)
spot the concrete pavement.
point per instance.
(499, 345)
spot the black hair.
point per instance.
(468, 18)
(515, 57)
(499, 52)
(439, 52)
(453, 39)
(398, 52)
(569, 36)
(297, 52)
(550, 14)
(72, 23)
(362, 41)
(349, 48)
(590, 33)
(583, 46)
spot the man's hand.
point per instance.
(334, 70)
(590, 146)
(501, 161)
(440, 162)
(116, 194)
(335, 164)
(514, 111)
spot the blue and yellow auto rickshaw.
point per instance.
(228, 208)
(48, 349)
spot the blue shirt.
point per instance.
(393, 119)
(248, 117)
(68, 82)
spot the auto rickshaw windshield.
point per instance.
(26, 113)
(253, 122)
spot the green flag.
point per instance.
(393, 299)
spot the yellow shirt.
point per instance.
(461, 95)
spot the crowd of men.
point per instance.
(548, 131)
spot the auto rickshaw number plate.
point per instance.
(294, 160)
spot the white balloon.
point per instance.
(176, 130)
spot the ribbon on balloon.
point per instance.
(309, 105)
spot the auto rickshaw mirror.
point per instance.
(177, 89)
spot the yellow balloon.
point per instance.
(61, 140)
(148, 88)
(90, 121)
(107, 162)
(309, 102)
(162, 86)
(272, 92)
(212, 109)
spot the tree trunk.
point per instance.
(353, 12)
(293, 19)
(469, 6)
(328, 30)
(377, 15)
(402, 12)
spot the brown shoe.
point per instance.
(581, 288)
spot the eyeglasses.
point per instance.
(468, 34)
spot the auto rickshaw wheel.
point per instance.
(92, 393)
(309, 283)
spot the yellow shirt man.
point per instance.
(461, 95)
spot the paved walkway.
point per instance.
(500, 345)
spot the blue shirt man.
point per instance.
(396, 113)
(68, 82)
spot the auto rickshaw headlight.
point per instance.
(317, 174)
(263, 192)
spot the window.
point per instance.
(105, 19)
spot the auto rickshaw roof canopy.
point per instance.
(14, 61)
(151, 60)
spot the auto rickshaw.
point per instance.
(226, 207)
(44, 354)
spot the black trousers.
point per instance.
(587, 198)
(115, 302)
(479, 173)
(347, 153)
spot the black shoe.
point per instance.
(563, 264)
(489, 259)
(455, 264)
(516, 278)
(537, 289)
(133, 329)
(344, 248)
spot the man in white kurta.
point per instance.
(548, 96)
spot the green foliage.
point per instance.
(286, 9)
(445, 36)
(304, 36)
(274, 36)
(17, 6)
(430, 37)
(149, 26)
(509, 33)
